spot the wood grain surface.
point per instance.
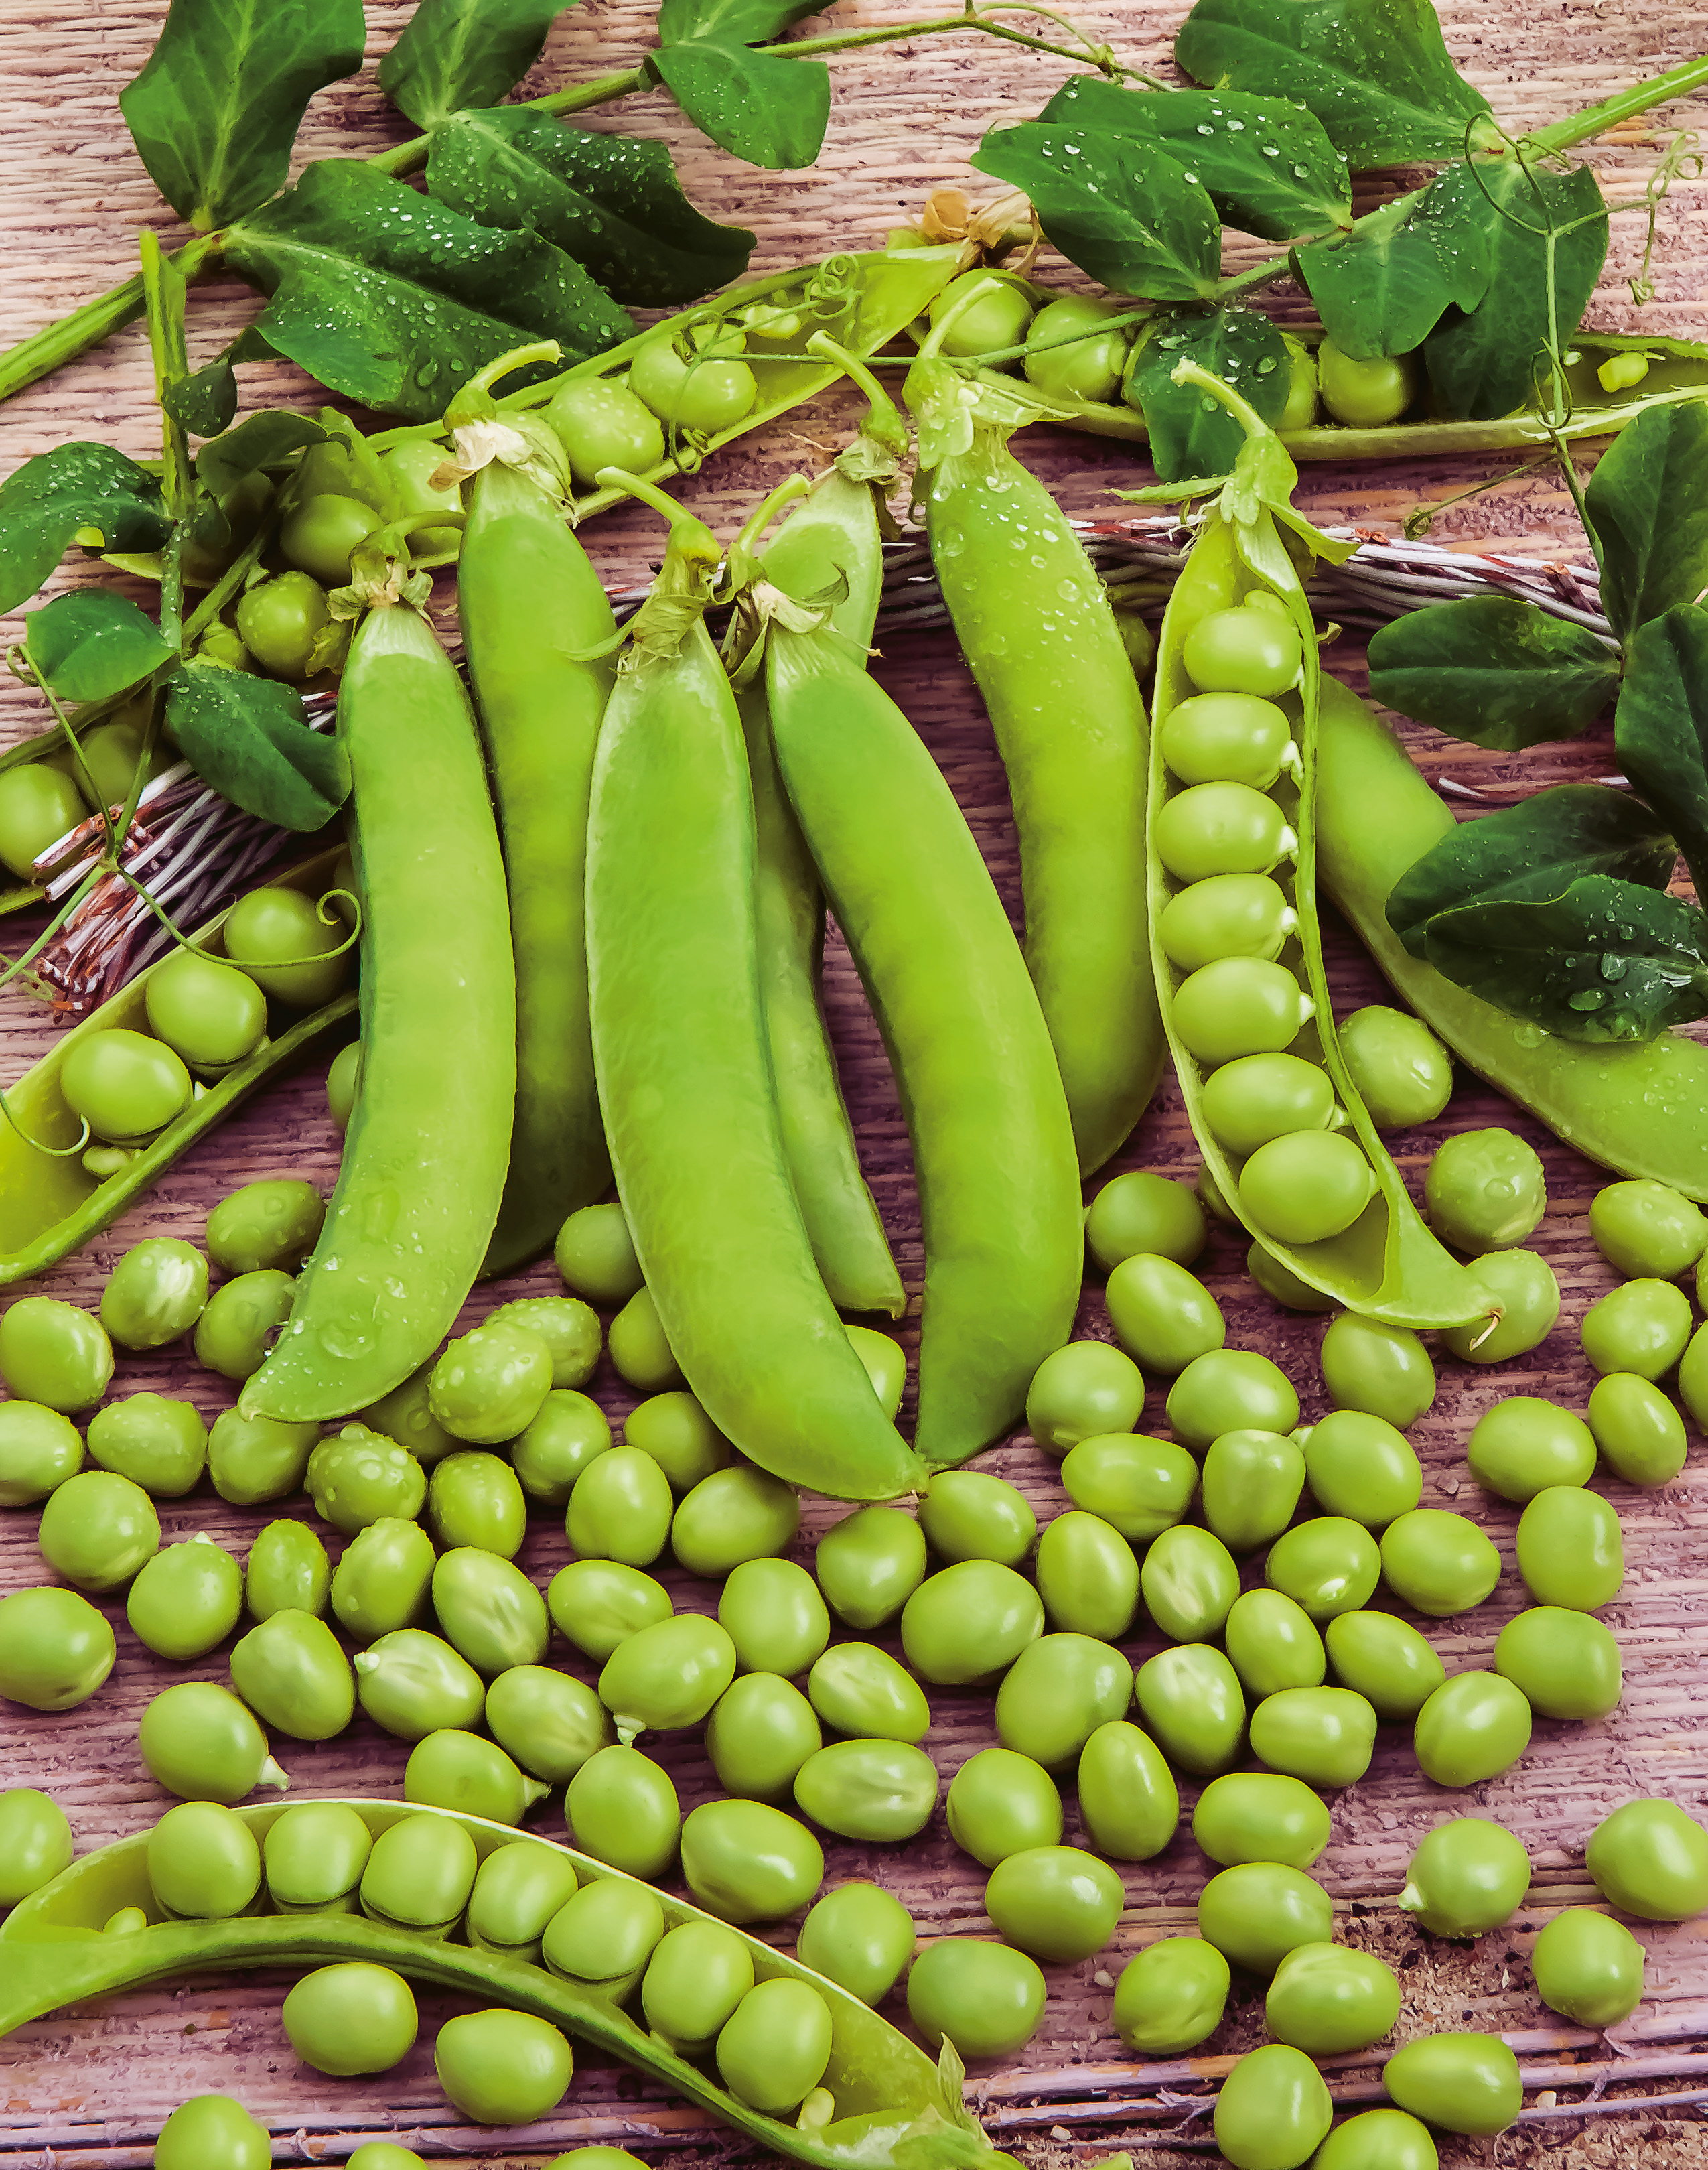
(93, 2085)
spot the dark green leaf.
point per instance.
(771, 112)
(1375, 73)
(390, 298)
(204, 402)
(1484, 365)
(246, 736)
(1384, 288)
(260, 440)
(1192, 434)
(49, 499)
(219, 101)
(1526, 854)
(1648, 508)
(613, 203)
(1604, 961)
(1132, 221)
(93, 642)
(730, 22)
(1269, 168)
(1660, 727)
(456, 53)
(1493, 670)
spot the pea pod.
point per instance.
(1380, 1260)
(429, 1138)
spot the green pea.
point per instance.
(1642, 1327)
(608, 1929)
(1475, 1726)
(967, 1514)
(775, 2048)
(292, 1673)
(1360, 1467)
(596, 1255)
(761, 1732)
(551, 1454)
(1565, 1661)
(1524, 1445)
(623, 1809)
(254, 1459)
(517, 1891)
(859, 1937)
(1328, 1566)
(384, 1580)
(1139, 1486)
(212, 2128)
(35, 1843)
(411, 1684)
(476, 1500)
(1148, 1213)
(287, 1571)
(1461, 2083)
(1466, 1877)
(405, 1415)
(965, 1625)
(1251, 1484)
(489, 1611)
(1281, 1283)
(419, 1873)
(502, 2067)
(1326, 1736)
(39, 1449)
(1571, 1549)
(1057, 1693)
(383, 2154)
(1163, 1317)
(1273, 2109)
(1485, 1190)
(1231, 1390)
(1403, 1072)
(886, 1364)
(746, 1862)
(1587, 1967)
(1326, 1999)
(668, 1675)
(343, 1078)
(858, 1690)
(488, 1384)
(273, 1223)
(569, 1329)
(357, 1477)
(1188, 1581)
(1383, 1370)
(735, 1514)
(869, 1564)
(1001, 1803)
(158, 1444)
(314, 1856)
(772, 1610)
(53, 1354)
(1189, 1697)
(1438, 1563)
(1640, 1433)
(1171, 1996)
(549, 1722)
(97, 1530)
(1084, 1391)
(1087, 1577)
(1056, 1902)
(1274, 1644)
(1387, 1662)
(349, 2020)
(876, 1791)
(680, 1436)
(640, 1349)
(1378, 2140)
(1525, 1299)
(1649, 1858)
(186, 1599)
(986, 1998)
(694, 1981)
(201, 1743)
(449, 1769)
(1257, 1815)
(1258, 1911)
(1647, 1229)
(157, 1292)
(598, 1604)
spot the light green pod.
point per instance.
(186, 1599)
(761, 1731)
(859, 1936)
(1139, 1486)
(1056, 1695)
(411, 1684)
(1001, 1803)
(1274, 1644)
(772, 1610)
(608, 1930)
(1255, 1914)
(1188, 1583)
(598, 1604)
(876, 1791)
(549, 1722)
(860, 1690)
(746, 1862)
(1191, 1702)
(384, 1580)
(1260, 1815)
(1475, 1726)
(1328, 1566)
(1571, 1548)
(1387, 1662)
(1325, 1736)
(623, 1809)
(1467, 1876)
(967, 1514)
(1251, 1484)
(1087, 1576)
(1128, 1802)
(620, 1509)
(1163, 1317)
(1360, 1466)
(287, 1571)
(869, 1564)
(1170, 1997)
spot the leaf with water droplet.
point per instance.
(1191, 432)
(1660, 727)
(1383, 289)
(458, 53)
(1493, 670)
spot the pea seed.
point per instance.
(358, 1476)
(733, 1516)
(502, 2067)
(1570, 1550)
(1466, 1877)
(1231, 1390)
(1056, 1695)
(886, 1366)
(155, 1293)
(869, 1564)
(986, 1998)
(1325, 1736)
(1383, 1370)
(1385, 1661)
(419, 1873)
(860, 1690)
(35, 1843)
(1378, 2140)
(39, 1449)
(292, 1673)
(694, 1981)
(569, 1329)
(1055, 1902)
(1001, 1803)
(1081, 1391)
(1163, 1317)
(241, 1320)
(384, 1579)
(596, 1255)
(1649, 1858)
(1251, 1484)
(1326, 1999)
(1274, 1644)
(488, 1384)
(668, 1675)
(272, 1224)
(548, 1722)
(1642, 1327)
(965, 1625)
(1274, 2109)
(967, 1514)
(877, 1791)
(1565, 1661)
(680, 1436)
(1640, 1433)
(186, 1599)
(1439, 1563)
(1087, 1577)
(405, 1416)
(745, 1862)
(1528, 1297)
(776, 2045)
(1145, 1213)
(1588, 1968)
(1189, 1697)
(1401, 1072)
(1485, 1191)
(492, 1614)
(412, 1684)
(1189, 1582)
(1647, 1229)
(640, 1349)
(97, 1530)
(623, 1809)
(1328, 1566)
(1524, 1445)
(1139, 1486)
(204, 1861)
(609, 1929)
(253, 1460)
(212, 2128)
(287, 1571)
(314, 1856)
(551, 1454)
(349, 2020)
(1360, 1466)
(1255, 1914)
(1475, 1726)
(1170, 1997)
(1461, 2083)
(761, 1731)
(859, 1936)
(158, 1444)
(1260, 1816)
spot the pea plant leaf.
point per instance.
(1375, 73)
(76, 489)
(247, 737)
(613, 203)
(1192, 434)
(391, 298)
(205, 402)
(1648, 512)
(1494, 670)
(458, 53)
(768, 111)
(1660, 727)
(220, 99)
(1269, 168)
(1527, 853)
(1482, 365)
(260, 440)
(93, 643)
(1384, 288)
(1133, 222)
(730, 22)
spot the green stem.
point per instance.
(1624, 105)
(45, 351)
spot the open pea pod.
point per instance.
(894, 2105)
(1386, 1264)
(50, 1203)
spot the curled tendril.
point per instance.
(258, 963)
(53, 1152)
